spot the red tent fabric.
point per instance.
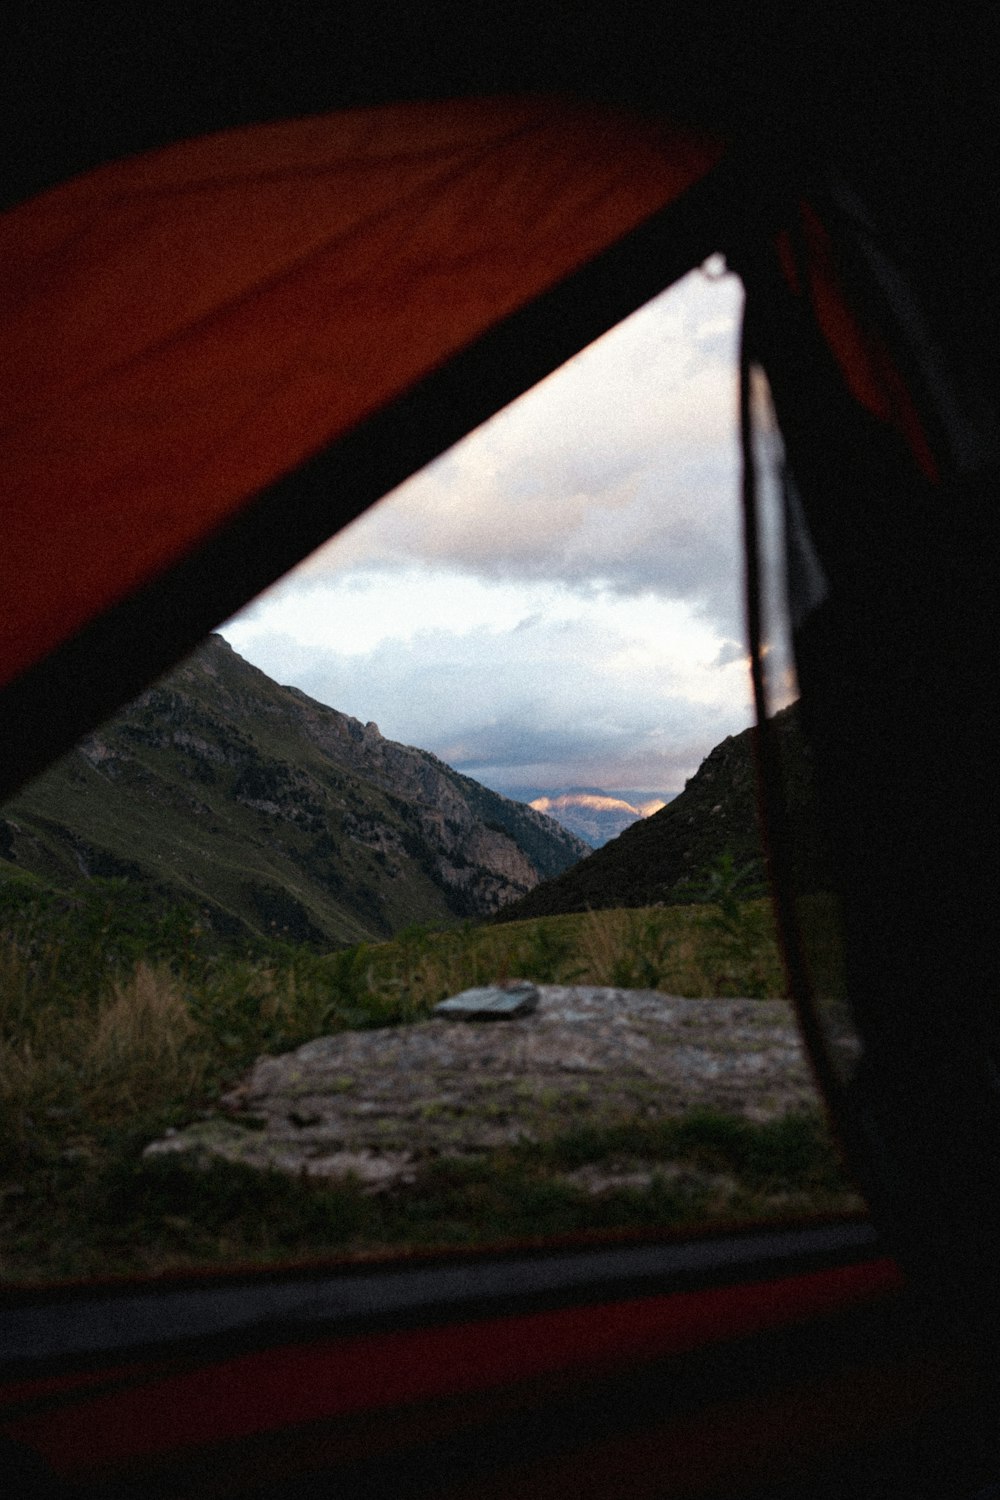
(182, 328)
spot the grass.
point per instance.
(121, 1214)
(115, 1025)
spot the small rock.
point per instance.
(492, 1002)
(204, 1138)
(374, 1171)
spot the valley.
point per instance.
(225, 922)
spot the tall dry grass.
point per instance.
(104, 1042)
(697, 951)
(97, 1040)
(137, 1049)
(142, 1045)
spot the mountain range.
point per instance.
(270, 813)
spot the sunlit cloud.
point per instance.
(581, 695)
(595, 803)
(617, 471)
(557, 600)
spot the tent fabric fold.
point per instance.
(220, 352)
(183, 328)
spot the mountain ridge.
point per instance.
(655, 858)
(271, 813)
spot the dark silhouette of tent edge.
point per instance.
(114, 656)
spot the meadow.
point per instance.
(117, 1022)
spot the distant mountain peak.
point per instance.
(594, 800)
(592, 814)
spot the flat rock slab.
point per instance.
(378, 1104)
(491, 1002)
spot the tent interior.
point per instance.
(262, 264)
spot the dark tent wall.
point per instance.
(86, 84)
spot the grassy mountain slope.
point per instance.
(716, 813)
(270, 813)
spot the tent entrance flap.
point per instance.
(186, 422)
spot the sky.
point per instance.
(556, 601)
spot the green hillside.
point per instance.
(267, 813)
(657, 859)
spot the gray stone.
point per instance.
(491, 1002)
(379, 1106)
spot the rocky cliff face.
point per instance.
(271, 812)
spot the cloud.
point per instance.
(729, 652)
(618, 472)
(557, 600)
(584, 799)
(551, 702)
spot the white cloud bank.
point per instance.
(557, 600)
